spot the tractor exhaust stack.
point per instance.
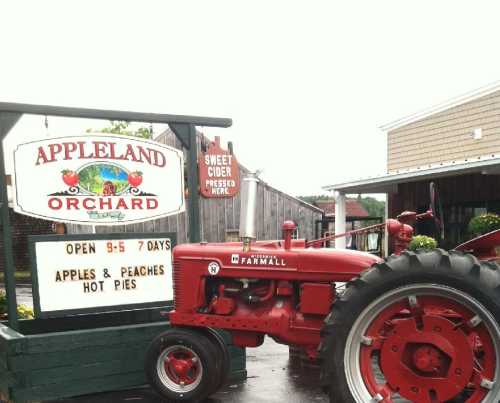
(248, 230)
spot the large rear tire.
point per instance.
(422, 326)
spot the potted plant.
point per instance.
(484, 223)
(422, 242)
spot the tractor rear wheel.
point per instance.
(182, 365)
(420, 327)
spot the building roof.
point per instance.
(489, 164)
(462, 99)
(353, 208)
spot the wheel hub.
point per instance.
(426, 358)
(179, 368)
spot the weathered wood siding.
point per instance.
(447, 136)
(220, 218)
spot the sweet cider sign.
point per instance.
(102, 179)
(219, 172)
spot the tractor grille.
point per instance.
(177, 280)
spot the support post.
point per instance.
(340, 219)
(187, 135)
(193, 181)
(7, 121)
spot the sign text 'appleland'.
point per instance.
(98, 179)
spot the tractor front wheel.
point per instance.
(182, 365)
(422, 327)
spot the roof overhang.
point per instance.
(388, 183)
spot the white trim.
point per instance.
(469, 96)
(443, 169)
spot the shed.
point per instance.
(220, 216)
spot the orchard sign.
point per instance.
(219, 172)
(98, 179)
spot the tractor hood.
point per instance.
(344, 262)
(268, 256)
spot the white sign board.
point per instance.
(98, 179)
(101, 273)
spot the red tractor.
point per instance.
(422, 326)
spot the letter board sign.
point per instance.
(89, 273)
(101, 179)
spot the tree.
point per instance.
(374, 207)
(122, 127)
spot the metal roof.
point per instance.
(469, 96)
(489, 164)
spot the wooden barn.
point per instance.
(220, 216)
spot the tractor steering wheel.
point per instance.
(437, 211)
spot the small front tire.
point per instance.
(181, 365)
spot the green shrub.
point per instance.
(23, 311)
(484, 223)
(422, 242)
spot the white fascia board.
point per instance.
(438, 170)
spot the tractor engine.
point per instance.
(266, 290)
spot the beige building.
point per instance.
(456, 145)
(464, 128)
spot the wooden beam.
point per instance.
(112, 115)
(7, 121)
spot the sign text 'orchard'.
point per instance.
(98, 179)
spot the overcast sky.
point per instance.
(307, 83)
